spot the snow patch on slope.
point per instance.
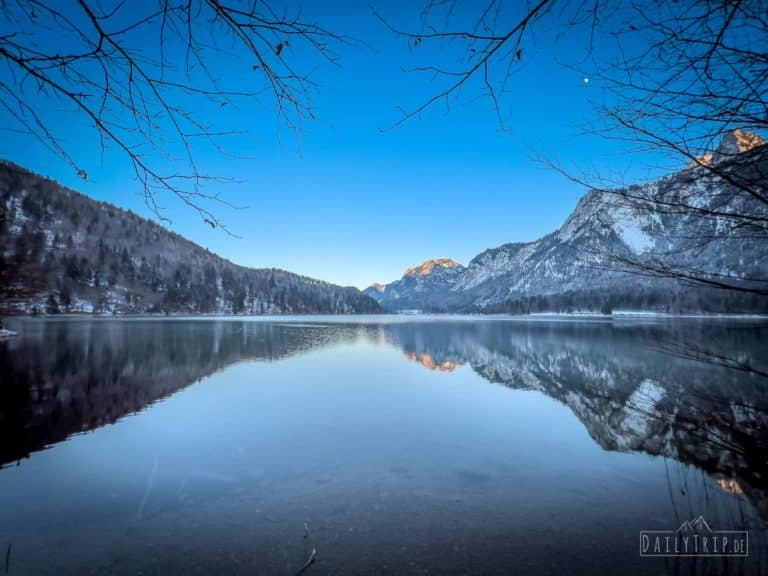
(631, 230)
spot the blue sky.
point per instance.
(352, 204)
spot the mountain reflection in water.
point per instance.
(630, 394)
(64, 377)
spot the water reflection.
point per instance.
(376, 459)
(62, 378)
(630, 394)
(66, 377)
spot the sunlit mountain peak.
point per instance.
(426, 268)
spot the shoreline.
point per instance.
(575, 316)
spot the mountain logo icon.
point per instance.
(697, 526)
(694, 538)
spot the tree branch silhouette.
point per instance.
(674, 78)
(143, 80)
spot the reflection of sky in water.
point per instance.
(389, 463)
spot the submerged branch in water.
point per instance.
(150, 483)
(311, 560)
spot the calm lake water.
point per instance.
(403, 445)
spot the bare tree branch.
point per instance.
(481, 51)
(675, 79)
(143, 79)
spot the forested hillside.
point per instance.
(61, 251)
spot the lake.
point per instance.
(388, 445)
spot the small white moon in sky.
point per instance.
(586, 80)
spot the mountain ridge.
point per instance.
(429, 277)
(61, 251)
(428, 266)
(570, 268)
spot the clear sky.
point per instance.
(353, 204)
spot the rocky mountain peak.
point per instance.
(378, 287)
(733, 143)
(426, 268)
(738, 141)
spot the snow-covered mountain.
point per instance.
(420, 286)
(576, 266)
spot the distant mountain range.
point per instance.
(61, 251)
(572, 268)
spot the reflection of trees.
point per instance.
(713, 355)
(628, 393)
(65, 378)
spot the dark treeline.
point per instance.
(672, 299)
(62, 252)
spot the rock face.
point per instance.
(575, 267)
(736, 142)
(426, 268)
(732, 144)
(60, 251)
